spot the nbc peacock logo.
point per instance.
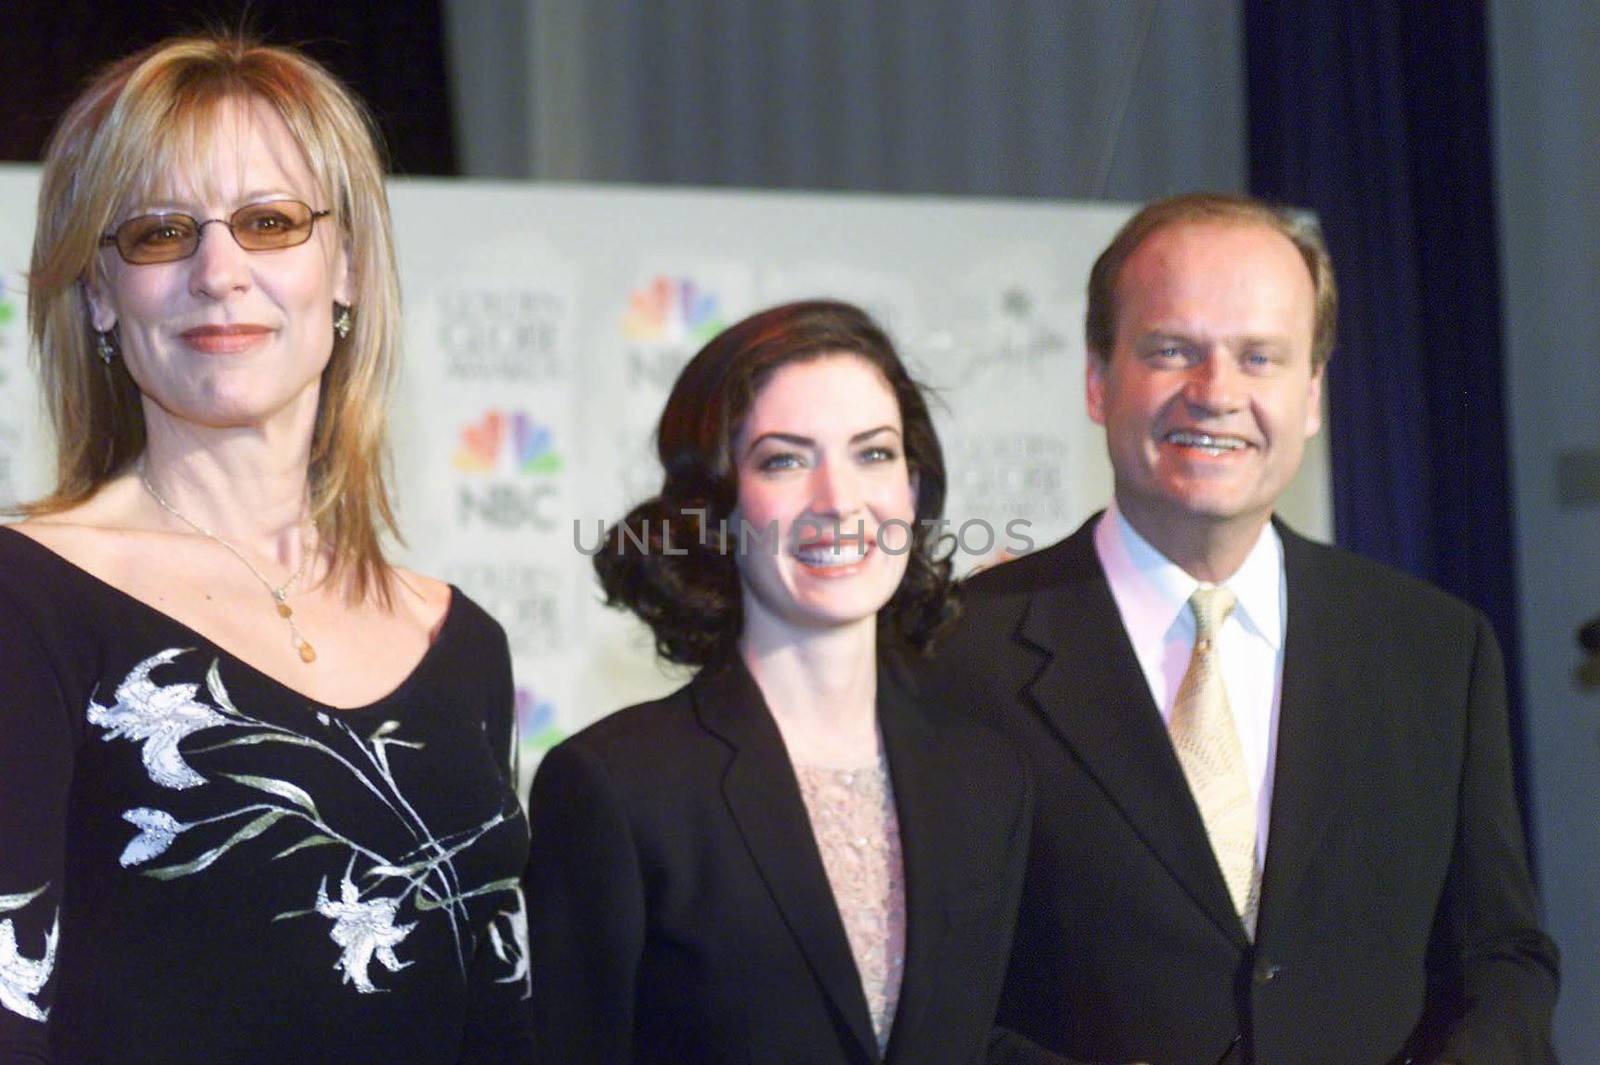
(536, 724)
(506, 441)
(672, 310)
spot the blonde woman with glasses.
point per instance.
(255, 802)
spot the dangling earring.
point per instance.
(105, 346)
(341, 320)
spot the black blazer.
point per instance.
(679, 910)
(1397, 915)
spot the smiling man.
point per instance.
(1275, 813)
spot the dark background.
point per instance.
(392, 54)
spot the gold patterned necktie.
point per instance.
(1207, 743)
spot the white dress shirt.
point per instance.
(1152, 595)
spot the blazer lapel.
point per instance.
(912, 747)
(763, 797)
(1324, 723)
(1093, 693)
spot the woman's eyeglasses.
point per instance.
(168, 237)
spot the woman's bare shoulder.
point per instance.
(427, 599)
(92, 535)
(104, 516)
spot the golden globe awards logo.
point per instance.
(525, 597)
(511, 335)
(1019, 474)
(508, 460)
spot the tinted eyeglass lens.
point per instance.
(165, 238)
(157, 238)
(276, 224)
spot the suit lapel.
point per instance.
(1324, 722)
(763, 798)
(1094, 695)
(912, 747)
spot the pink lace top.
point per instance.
(853, 818)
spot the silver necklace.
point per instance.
(280, 594)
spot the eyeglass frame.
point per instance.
(110, 239)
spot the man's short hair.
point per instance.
(1100, 322)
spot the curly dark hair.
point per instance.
(690, 595)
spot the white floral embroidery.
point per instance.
(363, 929)
(157, 830)
(22, 978)
(425, 877)
(161, 716)
(515, 952)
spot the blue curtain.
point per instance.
(1376, 116)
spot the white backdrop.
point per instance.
(545, 325)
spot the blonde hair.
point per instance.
(1100, 322)
(142, 116)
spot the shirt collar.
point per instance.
(1153, 590)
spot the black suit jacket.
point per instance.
(678, 906)
(1397, 916)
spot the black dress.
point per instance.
(198, 864)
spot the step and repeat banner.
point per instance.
(546, 324)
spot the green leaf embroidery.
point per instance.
(281, 788)
(403, 871)
(249, 831)
(316, 839)
(218, 692)
(261, 737)
(510, 883)
(295, 913)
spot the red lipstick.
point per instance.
(224, 339)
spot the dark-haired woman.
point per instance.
(793, 858)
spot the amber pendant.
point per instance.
(308, 654)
